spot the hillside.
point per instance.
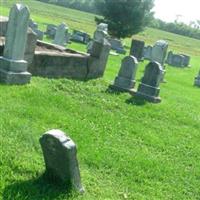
(127, 149)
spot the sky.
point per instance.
(168, 10)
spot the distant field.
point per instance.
(126, 149)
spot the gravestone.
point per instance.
(80, 36)
(125, 81)
(117, 45)
(159, 52)
(60, 37)
(149, 89)
(169, 58)
(177, 60)
(186, 61)
(197, 80)
(13, 67)
(147, 52)
(100, 36)
(51, 30)
(137, 48)
(30, 46)
(61, 163)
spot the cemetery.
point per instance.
(78, 122)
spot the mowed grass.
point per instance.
(126, 149)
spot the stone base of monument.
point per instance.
(197, 81)
(148, 93)
(14, 78)
(122, 84)
(14, 72)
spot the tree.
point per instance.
(124, 17)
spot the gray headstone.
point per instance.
(3, 25)
(60, 158)
(51, 30)
(147, 52)
(149, 87)
(197, 80)
(117, 45)
(13, 67)
(60, 37)
(159, 52)
(137, 48)
(177, 60)
(186, 61)
(125, 81)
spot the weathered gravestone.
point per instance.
(51, 30)
(60, 37)
(177, 60)
(137, 48)
(80, 36)
(197, 80)
(149, 87)
(13, 67)
(125, 81)
(117, 45)
(60, 158)
(147, 52)
(159, 52)
(186, 61)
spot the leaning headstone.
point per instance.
(147, 52)
(60, 37)
(159, 52)
(60, 158)
(197, 80)
(137, 48)
(13, 67)
(177, 60)
(125, 81)
(149, 87)
(117, 45)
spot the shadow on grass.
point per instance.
(36, 189)
(112, 90)
(136, 101)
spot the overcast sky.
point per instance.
(167, 10)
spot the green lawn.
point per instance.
(126, 149)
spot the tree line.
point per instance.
(128, 17)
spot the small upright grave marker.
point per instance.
(149, 86)
(60, 37)
(60, 158)
(125, 81)
(137, 48)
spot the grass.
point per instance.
(126, 149)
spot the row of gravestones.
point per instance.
(148, 89)
(178, 60)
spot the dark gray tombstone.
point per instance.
(197, 80)
(186, 61)
(51, 30)
(147, 52)
(117, 45)
(149, 87)
(3, 25)
(177, 60)
(60, 158)
(137, 48)
(125, 81)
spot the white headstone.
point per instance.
(60, 37)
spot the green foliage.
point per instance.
(177, 27)
(124, 17)
(126, 149)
